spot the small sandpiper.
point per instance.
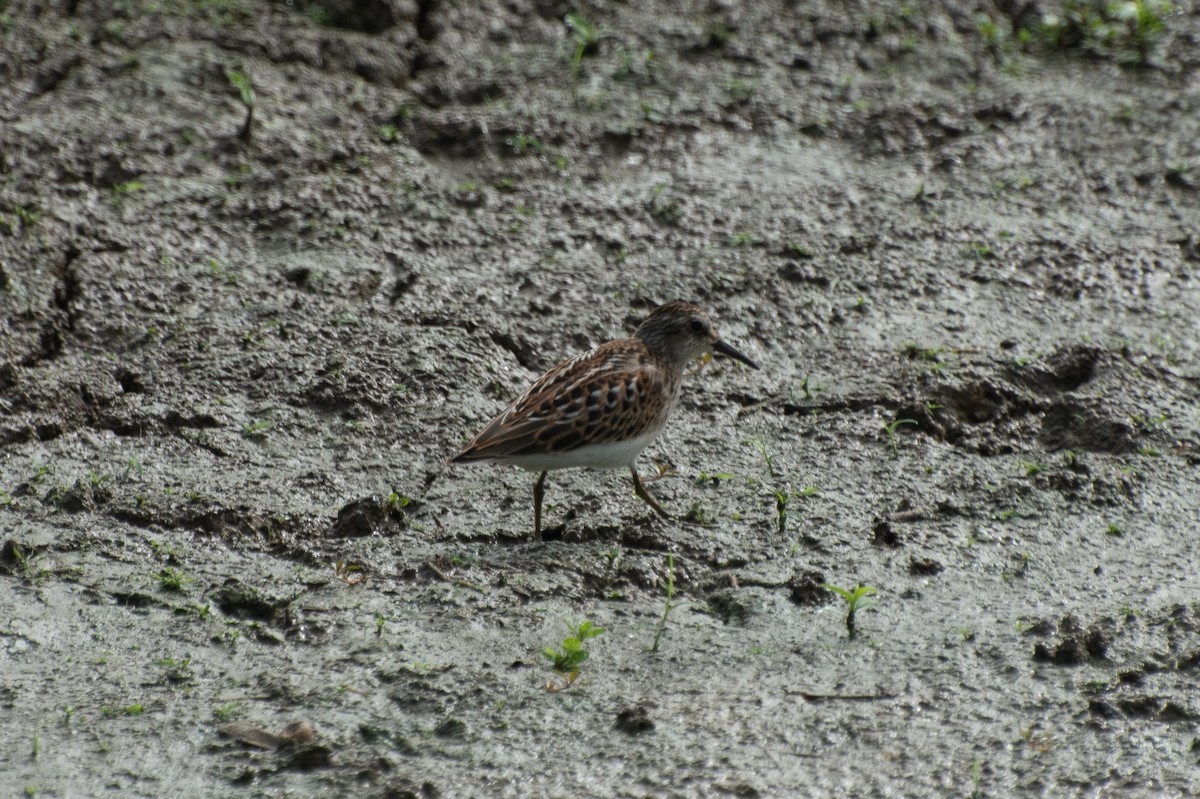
(600, 409)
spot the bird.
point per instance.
(601, 408)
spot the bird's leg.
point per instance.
(538, 491)
(641, 491)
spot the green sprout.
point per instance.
(890, 429)
(122, 191)
(29, 216)
(856, 600)
(256, 429)
(668, 604)
(584, 36)
(177, 669)
(741, 89)
(522, 143)
(241, 82)
(174, 580)
(768, 458)
(227, 712)
(782, 497)
(1149, 423)
(742, 238)
(978, 251)
(1125, 30)
(567, 661)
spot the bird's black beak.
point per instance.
(724, 349)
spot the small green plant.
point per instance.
(227, 712)
(890, 428)
(767, 457)
(240, 81)
(174, 580)
(915, 352)
(782, 497)
(317, 13)
(978, 251)
(1129, 31)
(741, 89)
(256, 429)
(1015, 183)
(856, 600)
(380, 621)
(29, 216)
(522, 143)
(997, 37)
(1184, 174)
(662, 207)
(696, 514)
(668, 603)
(809, 387)
(1148, 423)
(25, 561)
(567, 661)
(743, 238)
(584, 36)
(1020, 567)
(177, 669)
(134, 468)
(1115, 529)
(715, 478)
(794, 250)
(125, 190)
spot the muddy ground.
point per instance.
(233, 363)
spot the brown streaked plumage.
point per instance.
(600, 409)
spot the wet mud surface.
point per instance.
(232, 367)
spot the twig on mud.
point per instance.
(758, 406)
(810, 697)
(441, 575)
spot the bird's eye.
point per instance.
(697, 326)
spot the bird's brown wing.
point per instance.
(612, 393)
